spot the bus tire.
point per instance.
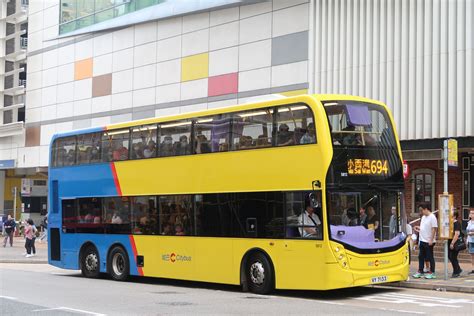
(119, 266)
(259, 273)
(90, 262)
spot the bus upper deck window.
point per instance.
(115, 145)
(295, 125)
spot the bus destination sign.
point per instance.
(357, 167)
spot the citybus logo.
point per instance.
(173, 257)
(377, 263)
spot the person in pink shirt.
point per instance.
(29, 237)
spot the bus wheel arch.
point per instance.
(258, 262)
(89, 260)
(118, 262)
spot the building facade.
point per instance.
(92, 63)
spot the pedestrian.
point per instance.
(44, 224)
(427, 229)
(9, 227)
(28, 238)
(453, 249)
(470, 238)
(35, 231)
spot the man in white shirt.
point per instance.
(308, 221)
(427, 230)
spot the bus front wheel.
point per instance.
(119, 266)
(259, 274)
(90, 262)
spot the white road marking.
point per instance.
(426, 301)
(8, 297)
(402, 311)
(68, 309)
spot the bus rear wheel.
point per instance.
(259, 274)
(119, 267)
(90, 262)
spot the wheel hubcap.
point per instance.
(91, 262)
(257, 273)
(118, 264)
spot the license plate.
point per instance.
(379, 279)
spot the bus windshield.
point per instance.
(366, 219)
(359, 124)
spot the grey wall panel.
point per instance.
(417, 56)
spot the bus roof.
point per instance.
(264, 102)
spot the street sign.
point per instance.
(452, 153)
(445, 216)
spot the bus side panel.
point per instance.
(71, 245)
(167, 256)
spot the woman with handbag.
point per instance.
(455, 245)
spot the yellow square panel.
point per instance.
(83, 69)
(195, 67)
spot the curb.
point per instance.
(23, 261)
(433, 287)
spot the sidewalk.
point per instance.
(464, 284)
(15, 254)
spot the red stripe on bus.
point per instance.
(134, 249)
(116, 181)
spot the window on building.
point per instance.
(252, 129)
(143, 142)
(423, 183)
(295, 125)
(88, 148)
(115, 145)
(65, 152)
(212, 134)
(176, 215)
(175, 139)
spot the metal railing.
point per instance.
(22, 82)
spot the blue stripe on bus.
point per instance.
(84, 181)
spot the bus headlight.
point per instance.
(336, 249)
(344, 264)
(341, 257)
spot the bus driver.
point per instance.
(308, 221)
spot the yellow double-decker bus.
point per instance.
(303, 192)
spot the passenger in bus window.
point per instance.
(70, 157)
(166, 147)
(262, 141)
(373, 221)
(120, 152)
(308, 221)
(137, 152)
(62, 154)
(182, 147)
(202, 145)
(179, 230)
(309, 137)
(167, 230)
(285, 136)
(245, 142)
(116, 219)
(362, 217)
(150, 150)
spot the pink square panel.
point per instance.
(223, 84)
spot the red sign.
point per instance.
(406, 170)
